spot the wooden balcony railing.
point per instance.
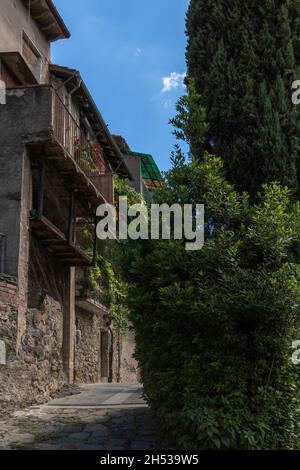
(86, 152)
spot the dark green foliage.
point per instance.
(243, 58)
(215, 327)
(106, 281)
(190, 123)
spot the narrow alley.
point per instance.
(99, 417)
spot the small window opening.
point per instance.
(32, 56)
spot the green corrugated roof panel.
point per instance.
(150, 170)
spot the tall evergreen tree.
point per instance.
(242, 58)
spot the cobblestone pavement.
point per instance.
(101, 417)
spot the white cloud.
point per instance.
(173, 81)
(138, 51)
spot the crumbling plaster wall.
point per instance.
(28, 111)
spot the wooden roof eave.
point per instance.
(48, 19)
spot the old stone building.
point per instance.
(57, 164)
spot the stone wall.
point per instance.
(103, 352)
(129, 368)
(8, 312)
(87, 357)
(37, 370)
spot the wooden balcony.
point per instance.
(91, 300)
(85, 151)
(70, 176)
(91, 305)
(78, 158)
(57, 243)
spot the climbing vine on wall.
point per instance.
(105, 280)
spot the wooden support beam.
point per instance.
(95, 243)
(41, 16)
(41, 188)
(58, 244)
(71, 225)
(69, 326)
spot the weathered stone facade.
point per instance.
(129, 368)
(38, 302)
(102, 352)
(36, 370)
(87, 352)
(8, 312)
(54, 172)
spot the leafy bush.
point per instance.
(215, 327)
(106, 280)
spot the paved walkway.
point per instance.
(100, 417)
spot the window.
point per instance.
(2, 253)
(32, 56)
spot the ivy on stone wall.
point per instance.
(106, 280)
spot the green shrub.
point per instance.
(215, 327)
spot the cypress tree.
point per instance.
(242, 58)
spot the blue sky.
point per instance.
(124, 50)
